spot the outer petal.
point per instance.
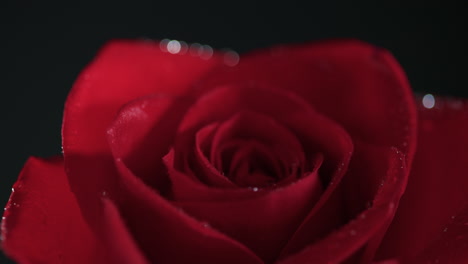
(43, 223)
(123, 71)
(262, 223)
(360, 86)
(346, 241)
(142, 134)
(118, 239)
(167, 235)
(437, 189)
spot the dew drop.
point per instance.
(174, 47)
(183, 47)
(255, 189)
(231, 58)
(163, 44)
(453, 217)
(428, 101)
(352, 232)
(195, 49)
(12, 189)
(206, 225)
(456, 104)
(207, 52)
(445, 229)
(103, 193)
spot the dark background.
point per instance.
(43, 48)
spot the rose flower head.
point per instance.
(306, 153)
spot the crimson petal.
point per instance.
(167, 235)
(42, 222)
(117, 237)
(437, 186)
(358, 85)
(349, 238)
(122, 71)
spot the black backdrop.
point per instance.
(43, 48)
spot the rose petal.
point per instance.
(263, 223)
(438, 184)
(117, 237)
(451, 246)
(42, 222)
(168, 235)
(360, 86)
(187, 187)
(349, 238)
(248, 125)
(204, 169)
(123, 71)
(142, 134)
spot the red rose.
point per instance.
(297, 154)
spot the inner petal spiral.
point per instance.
(251, 150)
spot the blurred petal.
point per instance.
(438, 185)
(42, 222)
(121, 72)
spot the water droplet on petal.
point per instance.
(195, 49)
(163, 44)
(352, 232)
(255, 189)
(206, 225)
(207, 52)
(183, 47)
(231, 58)
(104, 193)
(456, 104)
(174, 47)
(445, 229)
(428, 101)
